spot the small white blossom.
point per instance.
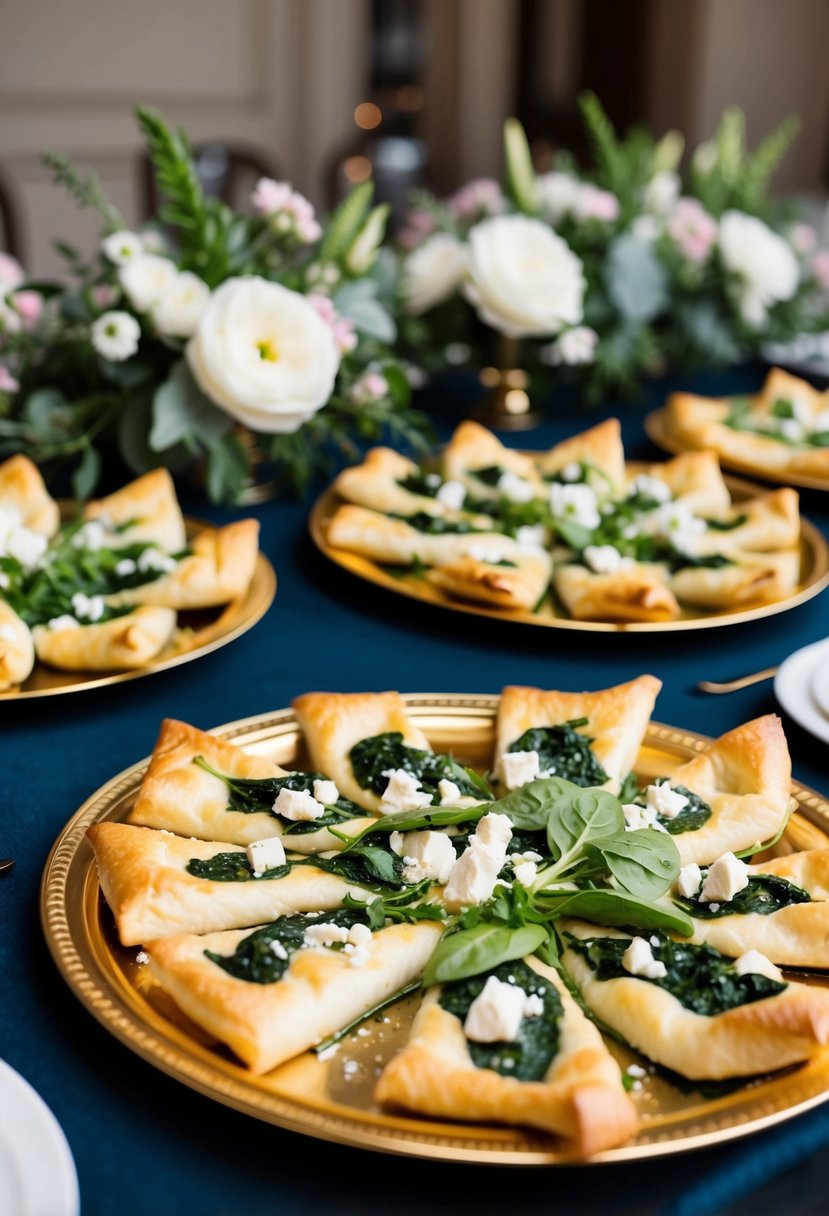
(576, 346)
(576, 503)
(115, 336)
(179, 307)
(122, 247)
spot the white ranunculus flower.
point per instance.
(144, 279)
(522, 278)
(264, 354)
(433, 272)
(122, 247)
(115, 336)
(178, 309)
(558, 194)
(662, 191)
(765, 262)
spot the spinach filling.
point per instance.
(765, 893)
(739, 420)
(528, 1057)
(489, 476)
(726, 525)
(701, 979)
(692, 816)
(563, 752)
(257, 796)
(371, 865)
(254, 959)
(437, 525)
(45, 593)
(372, 758)
(424, 484)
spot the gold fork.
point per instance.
(735, 685)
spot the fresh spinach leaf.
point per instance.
(480, 948)
(604, 906)
(644, 862)
(578, 816)
(257, 796)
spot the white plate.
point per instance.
(820, 686)
(794, 687)
(37, 1173)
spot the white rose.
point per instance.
(122, 247)
(558, 194)
(765, 262)
(144, 279)
(178, 309)
(115, 336)
(522, 278)
(432, 272)
(264, 354)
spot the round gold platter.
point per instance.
(657, 430)
(331, 1099)
(197, 633)
(814, 576)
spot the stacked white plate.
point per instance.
(802, 688)
(37, 1173)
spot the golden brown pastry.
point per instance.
(17, 651)
(753, 578)
(600, 446)
(617, 719)
(473, 448)
(321, 991)
(150, 506)
(123, 642)
(637, 593)
(22, 488)
(515, 583)
(218, 570)
(757, 1037)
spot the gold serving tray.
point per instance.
(197, 633)
(325, 1099)
(657, 429)
(814, 576)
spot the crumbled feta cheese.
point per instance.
(790, 429)
(489, 551)
(142, 957)
(496, 1014)
(448, 792)
(473, 876)
(93, 535)
(725, 878)
(403, 792)
(651, 487)
(26, 547)
(325, 934)
(297, 805)
(515, 488)
(755, 963)
(575, 503)
(125, 567)
(571, 471)
(637, 817)
(606, 559)
(10, 520)
(432, 480)
(638, 960)
(88, 607)
(359, 935)
(677, 523)
(531, 536)
(525, 872)
(517, 768)
(452, 494)
(665, 801)
(154, 561)
(357, 955)
(426, 855)
(714, 907)
(688, 880)
(279, 950)
(350, 1068)
(265, 855)
(636, 1070)
(820, 423)
(533, 1005)
(396, 843)
(326, 792)
(63, 622)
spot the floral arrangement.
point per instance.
(621, 270)
(211, 339)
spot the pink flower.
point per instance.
(803, 237)
(479, 197)
(692, 229)
(341, 327)
(370, 387)
(290, 211)
(11, 273)
(29, 305)
(103, 296)
(8, 384)
(591, 203)
(419, 224)
(820, 268)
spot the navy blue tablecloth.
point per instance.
(144, 1143)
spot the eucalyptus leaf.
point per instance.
(618, 908)
(471, 951)
(636, 280)
(49, 415)
(86, 473)
(181, 412)
(369, 317)
(645, 862)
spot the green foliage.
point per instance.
(519, 168)
(86, 190)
